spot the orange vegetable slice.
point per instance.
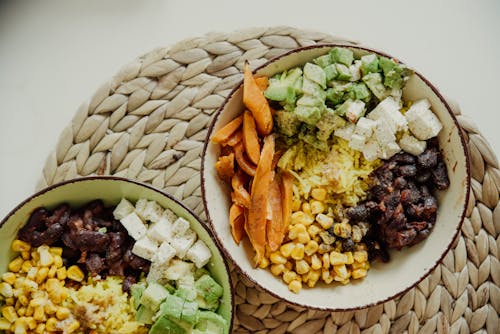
(250, 138)
(255, 225)
(237, 222)
(287, 197)
(225, 166)
(235, 138)
(256, 102)
(262, 83)
(275, 227)
(240, 195)
(242, 161)
(227, 130)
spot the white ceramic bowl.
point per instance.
(110, 190)
(384, 280)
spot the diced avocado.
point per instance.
(315, 73)
(144, 315)
(334, 95)
(279, 92)
(136, 291)
(369, 64)
(330, 72)
(171, 307)
(387, 64)
(190, 312)
(166, 326)
(310, 101)
(359, 91)
(186, 293)
(343, 72)
(203, 304)
(287, 122)
(393, 79)
(342, 55)
(312, 88)
(328, 123)
(211, 322)
(200, 272)
(153, 295)
(209, 289)
(374, 82)
(170, 288)
(323, 61)
(308, 115)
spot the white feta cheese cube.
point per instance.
(140, 207)
(164, 254)
(178, 269)
(355, 70)
(199, 253)
(423, 123)
(169, 215)
(345, 132)
(371, 150)
(161, 230)
(145, 248)
(388, 110)
(180, 226)
(134, 225)
(389, 150)
(122, 209)
(383, 133)
(396, 94)
(181, 243)
(421, 104)
(354, 110)
(357, 142)
(153, 211)
(412, 145)
(364, 127)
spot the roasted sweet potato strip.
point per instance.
(256, 102)
(235, 138)
(243, 162)
(227, 130)
(250, 138)
(225, 166)
(240, 195)
(275, 227)
(237, 221)
(287, 197)
(255, 225)
(262, 83)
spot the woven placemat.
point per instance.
(150, 120)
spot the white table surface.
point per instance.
(54, 54)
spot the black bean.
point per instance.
(440, 176)
(428, 159)
(348, 245)
(407, 170)
(358, 213)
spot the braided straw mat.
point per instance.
(150, 120)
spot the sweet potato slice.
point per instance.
(235, 138)
(242, 161)
(227, 130)
(237, 222)
(262, 83)
(255, 225)
(256, 102)
(275, 228)
(240, 195)
(286, 197)
(225, 167)
(250, 138)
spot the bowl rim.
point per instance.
(435, 90)
(150, 187)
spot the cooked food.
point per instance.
(346, 169)
(133, 268)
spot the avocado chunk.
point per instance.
(315, 73)
(284, 88)
(359, 91)
(330, 72)
(209, 289)
(211, 322)
(323, 60)
(144, 315)
(374, 82)
(369, 64)
(153, 295)
(166, 326)
(343, 72)
(334, 95)
(342, 56)
(189, 312)
(328, 123)
(171, 307)
(136, 291)
(308, 115)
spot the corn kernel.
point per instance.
(9, 301)
(360, 256)
(313, 230)
(288, 266)
(21, 311)
(337, 258)
(358, 273)
(325, 221)
(35, 256)
(6, 290)
(52, 272)
(56, 251)
(306, 207)
(341, 271)
(15, 265)
(289, 276)
(23, 300)
(350, 258)
(357, 235)
(4, 324)
(29, 311)
(317, 207)
(40, 329)
(20, 326)
(296, 204)
(61, 273)
(31, 323)
(303, 238)
(73, 327)
(286, 249)
(62, 313)
(75, 273)
(311, 247)
(297, 217)
(31, 274)
(264, 263)
(9, 313)
(41, 275)
(26, 255)
(277, 269)
(295, 286)
(297, 252)
(326, 276)
(326, 261)
(277, 258)
(313, 277)
(9, 277)
(51, 325)
(40, 301)
(20, 246)
(315, 262)
(318, 194)
(302, 267)
(18, 283)
(342, 230)
(29, 285)
(58, 261)
(49, 309)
